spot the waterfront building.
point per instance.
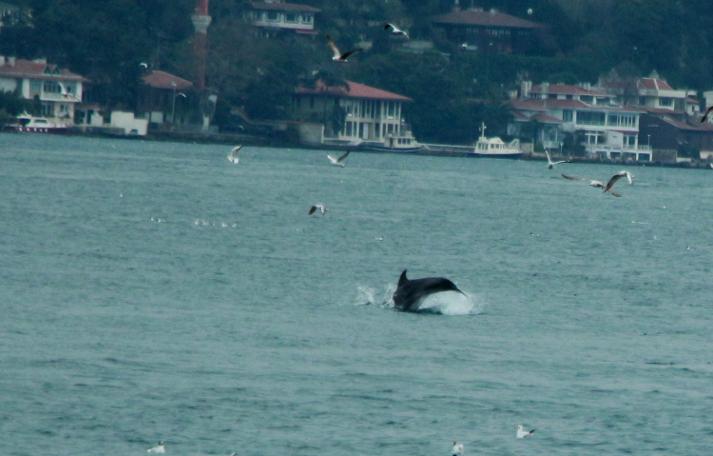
(351, 114)
(56, 91)
(273, 17)
(545, 114)
(165, 99)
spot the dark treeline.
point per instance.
(453, 90)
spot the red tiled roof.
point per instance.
(162, 80)
(36, 69)
(566, 89)
(653, 84)
(353, 90)
(479, 18)
(284, 7)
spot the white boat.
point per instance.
(28, 123)
(496, 147)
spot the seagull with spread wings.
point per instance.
(551, 164)
(606, 188)
(317, 207)
(394, 30)
(337, 55)
(233, 156)
(338, 161)
(705, 116)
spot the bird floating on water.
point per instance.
(233, 155)
(158, 449)
(551, 164)
(338, 161)
(317, 207)
(457, 449)
(394, 30)
(337, 55)
(521, 433)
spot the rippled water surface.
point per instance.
(155, 291)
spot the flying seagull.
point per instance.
(233, 155)
(705, 116)
(339, 161)
(457, 449)
(394, 30)
(144, 65)
(551, 164)
(317, 207)
(158, 449)
(338, 56)
(522, 433)
(606, 188)
(613, 180)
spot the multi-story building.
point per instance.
(488, 31)
(545, 113)
(55, 90)
(273, 17)
(354, 114)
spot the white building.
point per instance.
(604, 127)
(354, 114)
(273, 16)
(56, 90)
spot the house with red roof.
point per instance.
(273, 16)
(546, 114)
(654, 95)
(165, 98)
(353, 114)
(488, 30)
(57, 91)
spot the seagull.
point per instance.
(711, 165)
(337, 54)
(144, 65)
(233, 155)
(457, 449)
(522, 433)
(314, 208)
(339, 161)
(158, 449)
(606, 188)
(395, 30)
(705, 116)
(613, 180)
(551, 164)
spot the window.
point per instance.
(665, 101)
(272, 15)
(290, 17)
(590, 118)
(567, 115)
(307, 18)
(587, 98)
(612, 120)
(51, 87)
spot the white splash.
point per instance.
(451, 303)
(445, 303)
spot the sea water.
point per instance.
(154, 291)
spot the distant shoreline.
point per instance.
(261, 141)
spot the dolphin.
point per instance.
(410, 293)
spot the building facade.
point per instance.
(488, 31)
(592, 118)
(55, 91)
(354, 114)
(273, 17)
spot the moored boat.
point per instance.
(495, 147)
(27, 123)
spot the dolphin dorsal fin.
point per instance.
(403, 279)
